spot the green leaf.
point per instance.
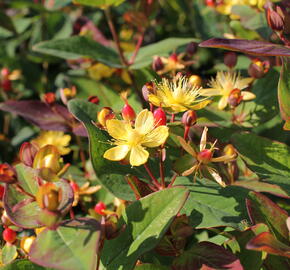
(263, 210)
(210, 205)
(110, 174)
(8, 253)
(161, 48)
(77, 47)
(6, 22)
(145, 221)
(262, 155)
(72, 246)
(22, 265)
(99, 3)
(284, 92)
(27, 178)
(151, 267)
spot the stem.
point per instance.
(172, 180)
(161, 168)
(137, 48)
(186, 131)
(72, 214)
(115, 37)
(172, 118)
(154, 180)
(24, 192)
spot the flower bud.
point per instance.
(94, 99)
(229, 150)
(205, 156)
(48, 197)
(258, 68)
(147, 89)
(7, 174)
(6, 85)
(67, 93)
(159, 117)
(235, 97)
(189, 118)
(157, 64)
(195, 80)
(9, 235)
(275, 20)
(27, 153)
(191, 48)
(99, 208)
(230, 59)
(49, 98)
(106, 113)
(6, 220)
(128, 113)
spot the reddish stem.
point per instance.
(172, 118)
(186, 132)
(172, 180)
(137, 48)
(161, 169)
(154, 180)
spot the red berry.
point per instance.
(159, 117)
(210, 3)
(9, 235)
(204, 156)
(99, 208)
(5, 72)
(128, 112)
(94, 99)
(6, 85)
(189, 118)
(74, 186)
(1, 192)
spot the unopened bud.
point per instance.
(205, 156)
(230, 59)
(9, 235)
(48, 197)
(6, 85)
(189, 118)
(1, 192)
(157, 64)
(147, 89)
(159, 117)
(27, 153)
(235, 97)
(106, 113)
(67, 93)
(195, 80)
(229, 150)
(7, 174)
(94, 99)
(258, 69)
(173, 57)
(275, 20)
(49, 98)
(128, 113)
(191, 48)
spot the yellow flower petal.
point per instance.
(154, 100)
(248, 95)
(144, 122)
(223, 102)
(208, 92)
(200, 105)
(138, 156)
(156, 137)
(243, 83)
(203, 139)
(225, 158)
(216, 177)
(118, 129)
(117, 153)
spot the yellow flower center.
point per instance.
(135, 138)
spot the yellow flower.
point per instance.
(132, 141)
(178, 95)
(99, 71)
(203, 157)
(223, 85)
(56, 138)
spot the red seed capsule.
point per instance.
(157, 64)
(204, 156)
(94, 99)
(159, 117)
(9, 235)
(128, 113)
(49, 98)
(99, 208)
(1, 192)
(230, 59)
(189, 118)
(74, 186)
(6, 85)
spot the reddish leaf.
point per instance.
(40, 114)
(247, 46)
(267, 242)
(263, 210)
(207, 256)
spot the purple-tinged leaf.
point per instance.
(253, 47)
(284, 92)
(207, 255)
(72, 246)
(268, 243)
(263, 210)
(40, 114)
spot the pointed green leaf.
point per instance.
(72, 246)
(23, 265)
(99, 3)
(284, 92)
(145, 221)
(77, 47)
(210, 205)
